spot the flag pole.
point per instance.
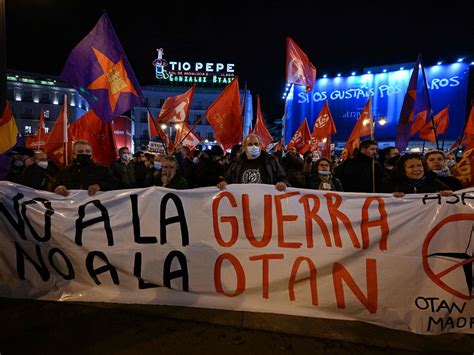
(154, 124)
(372, 123)
(429, 102)
(65, 135)
(39, 135)
(284, 118)
(423, 148)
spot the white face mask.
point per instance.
(253, 151)
(125, 157)
(157, 165)
(324, 172)
(42, 164)
(450, 162)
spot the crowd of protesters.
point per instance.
(384, 171)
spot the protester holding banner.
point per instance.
(294, 164)
(171, 177)
(255, 167)
(323, 179)
(436, 162)
(83, 173)
(412, 176)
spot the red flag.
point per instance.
(155, 131)
(260, 128)
(39, 139)
(301, 139)
(299, 69)
(464, 170)
(441, 121)
(99, 134)
(187, 136)
(225, 116)
(468, 135)
(418, 123)
(323, 128)
(363, 127)
(176, 108)
(58, 138)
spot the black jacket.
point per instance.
(314, 181)
(429, 185)
(80, 177)
(356, 174)
(273, 168)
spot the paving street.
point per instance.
(34, 327)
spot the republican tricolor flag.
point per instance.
(8, 130)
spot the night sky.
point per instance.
(336, 37)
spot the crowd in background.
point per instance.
(370, 170)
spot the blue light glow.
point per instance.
(460, 60)
(325, 76)
(338, 74)
(385, 70)
(353, 73)
(439, 63)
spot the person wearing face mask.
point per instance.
(21, 158)
(25, 170)
(124, 169)
(255, 166)
(436, 162)
(83, 173)
(322, 178)
(153, 176)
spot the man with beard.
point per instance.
(83, 173)
(171, 178)
(255, 166)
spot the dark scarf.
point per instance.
(416, 184)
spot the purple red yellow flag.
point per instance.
(98, 68)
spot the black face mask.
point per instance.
(17, 163)
(83, 159)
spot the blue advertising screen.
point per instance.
(347, 96)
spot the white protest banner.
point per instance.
(399, 263)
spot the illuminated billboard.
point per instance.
(192, 72)
(347, 96)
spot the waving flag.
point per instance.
(187, 136)
(418, 123)
(58, 138)
(99, 134)
(98, 68)
(301, 139)
(225, 116)
(299, 69)
(156, 131)
(176, 108)
(415, 101)
(323, 128)
(39, 139)
(8, 130)
(363, 127)
(260, 128)
(441, 121)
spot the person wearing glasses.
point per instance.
(171, 178)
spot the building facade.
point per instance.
(29, 94)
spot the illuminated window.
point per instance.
(46, 129)
(46, 113)
(27, 129)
